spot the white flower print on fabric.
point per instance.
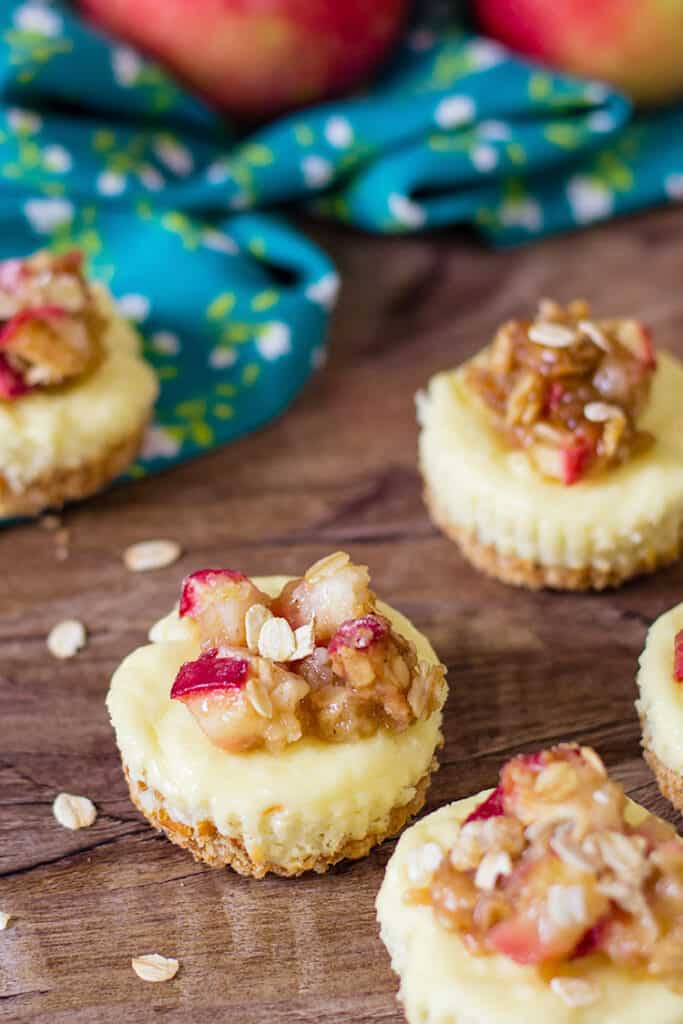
(589, 199)
(673, 185)
(485, 53)
(126, 65)
(133, 306)
(57, 159)
(324, 291)
(21, 120)
(484, 157)
(275, 341)
(159, 443)
(317, 171)
(110, 183)
(151, 178)
(36, 17)
(166, 342)
(219, 241)
(175, 156)
(338, 132)
(45, 215)
(521, 213)
(453, 111)
(405, 211)
(222, 357)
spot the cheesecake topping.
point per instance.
(547, 870)
(568, 390)
(318, 660)
(49, 325)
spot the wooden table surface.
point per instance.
(338, 471)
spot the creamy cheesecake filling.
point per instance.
(311, 796)
(661, 696)
(480, 485)
(72, 425)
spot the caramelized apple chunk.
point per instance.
(567, 389)
(267, 677)
(49, 326)
(547, 870)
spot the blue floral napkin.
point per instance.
(101, 149)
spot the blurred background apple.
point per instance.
(635, 44)
(256, 58)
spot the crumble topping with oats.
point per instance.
(547, 870)
(567, 389)
(317, 660)
(49, 325)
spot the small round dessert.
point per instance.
(554, 458)
(75, 394)
(660, 681)
(278, 725)
(551, 898)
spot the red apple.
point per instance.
(635, 44)
(256, 58)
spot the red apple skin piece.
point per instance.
(635, 44)
(198, 584)
(575, 461)
(208, 674)
(12, 384)
(678, 657)
(25, 316)
(492, 807)
(638, 340)
(257, 58)
(360, 634)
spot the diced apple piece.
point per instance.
(359, 634)
(637, 338)
(12, 384)
(332, 595)
(555, 905)
(212, 689)
(678, 657)
(46, 314)
(218, 600)
(567, 463)
(208, 673)
(492, 807)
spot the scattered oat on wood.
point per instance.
(66, 638)
(74, 812)
(151, 554)
(154, 967)
(4, 920)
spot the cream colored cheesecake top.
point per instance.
(63, 428)
(345, 785)
(481, 484)
(441, 983)
(661, 697)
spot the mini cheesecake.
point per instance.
(660, 681)
(278, 725)
(75, 394)
(551, 898)
(554, 458)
